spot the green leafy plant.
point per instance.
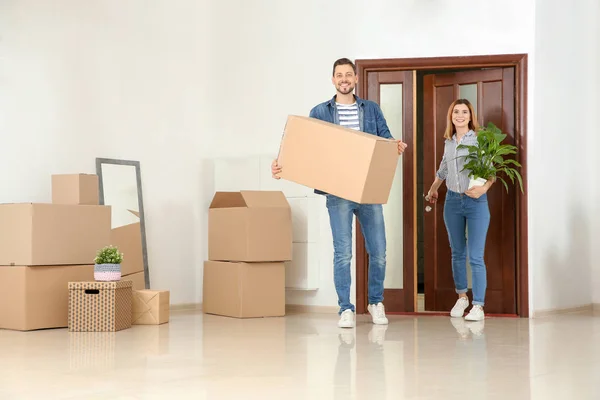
(487, 160)
(108, 255)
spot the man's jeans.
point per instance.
(370, 216)
(463, 212)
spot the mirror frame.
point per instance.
(138, 174)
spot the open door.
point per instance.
(394, 92)
(492, 93)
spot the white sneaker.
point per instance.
(476, 314)
(377, 311)
(459, 308)
(346, 319)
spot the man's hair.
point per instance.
(344, 61)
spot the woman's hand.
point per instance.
(432, 195)
(478, 191)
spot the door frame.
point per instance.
(519, 62)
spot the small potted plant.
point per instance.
(486, 161)
(107, 264)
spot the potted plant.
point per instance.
(486, 161)
(107, 264)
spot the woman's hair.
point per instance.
(473, 124)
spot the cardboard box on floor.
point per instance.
(353, 165)
(244, 290)
(151, 307)
(250, 226)
(80, 189)
(100, 306)
(52, 234)
(38, 297)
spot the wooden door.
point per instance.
(492, 93)
(394, 92)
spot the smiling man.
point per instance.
(350, 111)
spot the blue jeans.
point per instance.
(370, 216)
(463, 212)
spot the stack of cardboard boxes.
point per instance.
(249, 239)
(45, 246)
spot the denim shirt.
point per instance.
(370, 117)
(369, 114)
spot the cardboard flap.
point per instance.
(263, 198)
(227, 200)
(137, 214)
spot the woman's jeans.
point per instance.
(463, 212)
(370, 216)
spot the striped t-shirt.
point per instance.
(348, 115)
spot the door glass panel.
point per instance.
(390, 98)
(469, 92)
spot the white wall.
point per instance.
(42, 126)
(595, 199)
(129, 80)
(562, 159)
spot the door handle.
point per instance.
(427, 208)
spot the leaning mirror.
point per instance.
(121, 188)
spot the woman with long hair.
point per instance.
(466, 211)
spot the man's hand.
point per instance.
(275, 169)
(401, 146)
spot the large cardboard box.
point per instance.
(38, 297)
(138, 280)
(80, 189)
(353, 165)
(244, 290)
(100, 306)
(151, 307)
(52, 234)
(251, 226)
(128, 239)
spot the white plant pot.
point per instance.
(477, 182)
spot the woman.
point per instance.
(466, 211)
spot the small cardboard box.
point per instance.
(100, 306)
(353, 165)
(244, 290)
(150, 307)
(52, 234)
(128, 239)
(251, 226)
(38, 297)
(80, 189)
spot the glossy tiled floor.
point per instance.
(307, 357)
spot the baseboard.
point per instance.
(304, 309)
(289, 308)
(186, 306)
(596, 307)
(560, 311)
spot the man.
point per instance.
(350, 111)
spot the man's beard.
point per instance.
(347, 90)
